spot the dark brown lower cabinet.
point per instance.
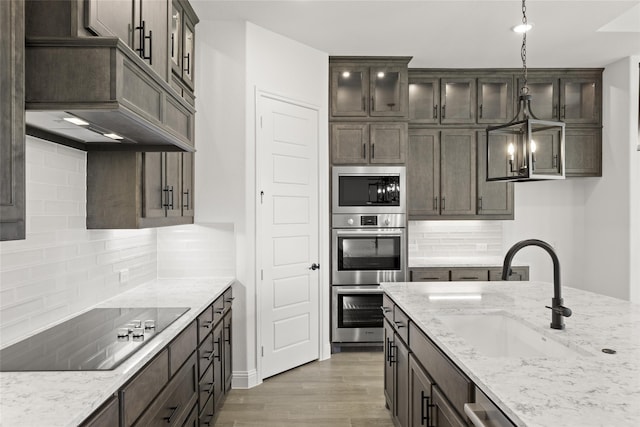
(443, 413)
(420, 400)
(401, 404)
(218, 366)
(388, 365)
(106, 416)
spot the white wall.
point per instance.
(612, 253)
(244, 58)
(61, 267)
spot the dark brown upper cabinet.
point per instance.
(182, 41)
(371, 87)
(447, 100)
(495, 99)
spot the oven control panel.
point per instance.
(368, 221)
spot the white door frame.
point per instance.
(324, 301)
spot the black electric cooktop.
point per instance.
(100, 339)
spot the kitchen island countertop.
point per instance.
(66, 398)
(589, 388)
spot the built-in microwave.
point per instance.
(368, 189)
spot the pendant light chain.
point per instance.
(523, 50)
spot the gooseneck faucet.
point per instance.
(558, 311)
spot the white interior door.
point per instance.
(288, 233)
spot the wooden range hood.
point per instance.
(101, 81)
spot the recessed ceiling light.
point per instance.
(113, 136)
(522, 28)
(76, 121)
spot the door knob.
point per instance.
(314, 266)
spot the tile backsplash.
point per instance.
(61, 267)
(455, 239)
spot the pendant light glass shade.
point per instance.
(525, 149)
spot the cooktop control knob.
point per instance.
(387, 221)
(350, 221)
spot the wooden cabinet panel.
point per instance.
(172, 184)
(495, 199)
(401, 323)
(547, 153)
(420, 413)
(495, 99)
(423, 173)
(206, 353)
(457, 173)
(12, 121)
(182, 347)
(401, 367)
(544, 96)
(469, 274)
(110, 18)
(136, 396)
(349, 90)
(387, 308)
(389, 380)
(424, 100)
(174, 404)
(388, 91)
(154, 190)
(108, 415)
(227, 350)
(388, 143)
(188, 179)
(458, 100)
(429, 274)
(349, 143)
(444, 414)
(583, 152)
(580, 100)
(218, 366)
(453, 383)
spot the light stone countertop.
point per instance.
(589, 388)
(55, 399)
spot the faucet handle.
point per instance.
(560, 309)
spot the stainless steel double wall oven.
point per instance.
(368, 247)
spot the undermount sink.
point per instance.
(498, 335)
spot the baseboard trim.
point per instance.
(245, 379)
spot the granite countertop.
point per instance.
(486, 261)
(66, 398)
(587, 388)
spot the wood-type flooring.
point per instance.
(344, 391)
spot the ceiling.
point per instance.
(452, 33)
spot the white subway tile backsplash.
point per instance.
(454, 238)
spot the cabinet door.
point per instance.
(469, 274)
(580, 99)
(547, 153)
(458, 99)
(176, 28)
(189, 50)
(349, 91)
(155, 195)
(227, 356)
(173, 178)
(419, 395)
(517, 273)
(583, 152)
(388, 89)
(110, 18)
(544, 97)
(423, 173)
(457, 173)
(401, 404)
(494, 198)
(443, 413)
(218, 365)
(495, 100)
(151, 38)
(389, 347)
(12, 121)
(349, 142)
(388, 143)
(424, 99)
(187, 184)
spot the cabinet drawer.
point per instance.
(173, 405)
(469, 274)
(453, 383)
(401, 323)
(106, 416)
(429, 275)
(192, 419)
(136, 396)
(218, 309)
(205, 354)
(205, 323)
(207, 413)
(517, 273)
(181, 347)
(387, 308)
(205, 386)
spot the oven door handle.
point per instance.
(376, 290)
(370, 232)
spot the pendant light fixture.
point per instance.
(526, 148)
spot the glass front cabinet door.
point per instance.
(424, 101)
(350, 88)
(580, 101)
(176, 38)
(495, 100)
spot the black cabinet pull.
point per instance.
(209, 420)
(373, 151)
(142, 40)
(435, 203)
(228, 334)
(480, 202)
(424, 409)
(555, 110)
(555, 161)
(480, 110)
(188, 58)
(186, 194)
(443, 204)
(444, 111)
(172, 43)
(373, 104)
(208, 355)
(364, 151)
(435, 111)
(469, 278)
(174, 411)
(564, 112)
(219, 355)
(206, 324)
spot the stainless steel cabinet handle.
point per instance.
(473, 410)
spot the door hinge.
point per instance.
(261, 274)
(261, 197)
(262, 351)
(260, 122)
